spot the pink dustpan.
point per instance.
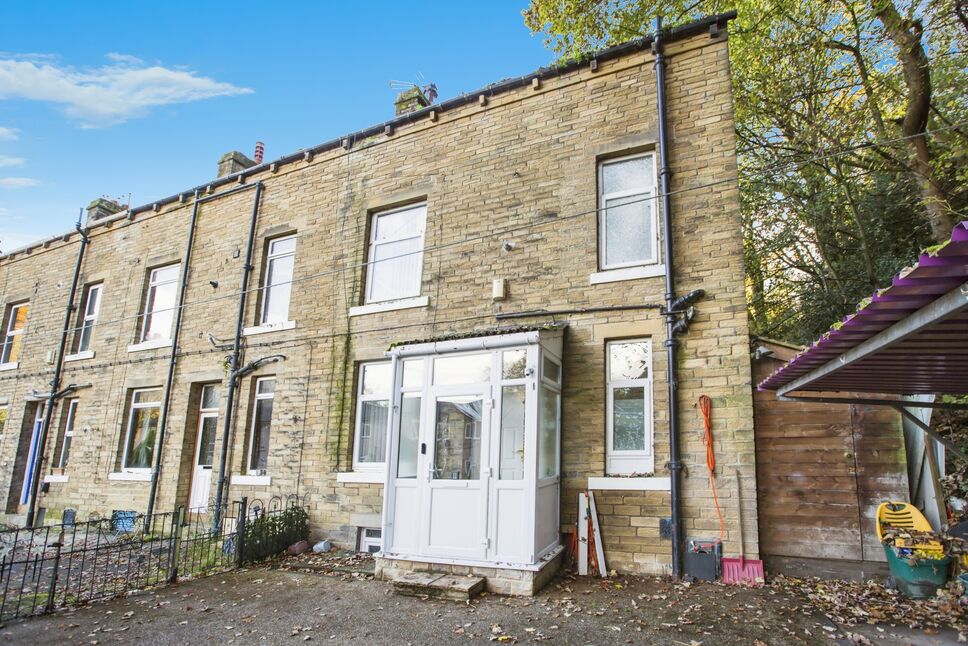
(742, 570)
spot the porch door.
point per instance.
(202, 466)
(456, 441)
(32, 453)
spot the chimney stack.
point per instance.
(411, 100)
(233, 162)
(101, 208)
(260, 151)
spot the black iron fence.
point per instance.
(58, 566)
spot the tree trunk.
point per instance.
(906, 35)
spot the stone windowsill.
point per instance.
(251, 480)
(79, 356)
(268, 327)
(12, 365)
(626, 273)
(370, 477)
(150, 345)
(56, 477)
(618, 483)
(131, 476)
(389, 306)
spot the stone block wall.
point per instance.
(518, 166)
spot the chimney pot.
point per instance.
(101, 208)
(410, 101)
(260, 151)
(233, 162)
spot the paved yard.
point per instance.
(277, 606)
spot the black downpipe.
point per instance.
(234, 358)
(55, 381)
(172, 360)
(675, 467)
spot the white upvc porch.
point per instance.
(472, 469)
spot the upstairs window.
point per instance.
(160, 303)
(372, 416)
(13, 337)
(277, 285)
(396, 254)
(627, 228)
(629, 407)
(258, 457)
(90, 308)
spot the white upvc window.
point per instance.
(629, 435)
(277, 284)
(160, 303)
(372, 416)
(139, 438)
(395, 260)
(67, 435)
(13, 339)
(257, 460)
(627, 222)
(89, 313)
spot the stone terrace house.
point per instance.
(535, 196)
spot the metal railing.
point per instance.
(59, 566)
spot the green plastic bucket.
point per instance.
(921, 580)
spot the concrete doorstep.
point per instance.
(438, 585)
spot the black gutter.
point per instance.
(675, 466)
(694, 28)
(501, 316)
(55, 381)
(172, 360)
(234, 358)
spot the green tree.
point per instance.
(851, 123)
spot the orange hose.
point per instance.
(706, 406)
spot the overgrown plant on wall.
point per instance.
(852, 134)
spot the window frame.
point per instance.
(372, 245)
(650, 197)
(615, 459)
(10, 333)
(267, 272)
(132, 407)
(151, 286)
(373, 467)
(70, 417)
(86, 319)
(256, 397)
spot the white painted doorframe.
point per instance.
(201, 474)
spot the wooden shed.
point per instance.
(821, 472)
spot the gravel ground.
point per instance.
(279, 606)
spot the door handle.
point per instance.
(423, 448)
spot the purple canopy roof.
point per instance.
(924, 348)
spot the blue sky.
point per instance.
(111, 98)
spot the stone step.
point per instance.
(439, 585)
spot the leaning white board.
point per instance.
(599, 546)
(582, 533)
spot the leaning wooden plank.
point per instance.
(599, 546)
(582, 533)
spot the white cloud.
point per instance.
(106, 95)
(11, 161)
(17, 182)
(8, 134)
